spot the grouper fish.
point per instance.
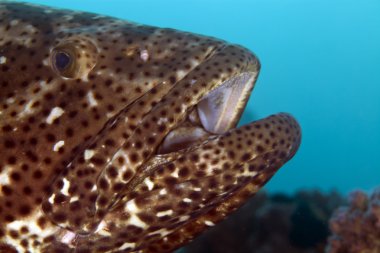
(121, 137)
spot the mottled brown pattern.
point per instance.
(119, 137)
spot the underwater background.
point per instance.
(320, 62)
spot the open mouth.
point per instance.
(218, 112)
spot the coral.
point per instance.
(356, 228)
(298, 224)
(273, 223)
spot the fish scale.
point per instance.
(120, 137)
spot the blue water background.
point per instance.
(320, 62)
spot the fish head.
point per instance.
(117, 136)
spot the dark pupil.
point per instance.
(62, 60)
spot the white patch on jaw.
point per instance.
(149, 183)
(209, 223)
(42, 83)
(127, 245)
(184, 218)
(110, 115)
(68, 237)
(55, 113)
(134, 220)
(132, 207)
(181, 74)
(250, 173)
(163, 192)
(4, 177)
(66, 186)
(194, 62)
(101, 226)
(58, 145)
(164, 213)
(88, 154)
(163, 232)
(144, 55)
(187, 200)
(27, 109)
(175, 174)
(91, 99)
(102, 229)
(162, 120)
(51, 199)
(3, 59)
(75, 198)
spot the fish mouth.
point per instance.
(218, 113)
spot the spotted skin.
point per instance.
(116, 137)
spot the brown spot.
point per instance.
(231, 154)
(59, 217)
(7, 190)
(134, 157)
(260, 149)
(184, 172)
(102, 201)
(147, 218)
(112, 171)
(170, 181)
(245, 157)
(103, 184)
(24, 210)
(59, 198)
(16, 176)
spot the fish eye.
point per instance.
(74, 57)
(62, 60)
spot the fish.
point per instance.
(122, 137)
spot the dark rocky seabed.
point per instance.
(309, 221)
